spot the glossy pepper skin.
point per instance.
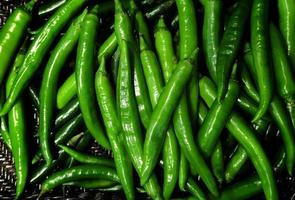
(285, 81)
(88, 159)
(77, 173)
(244, 134)
(17, 131)
(126, 101)
(107, 103)
(68, 112)
(171, 155)
(155, 83)
(259, 45)
(162, 114)
(216, 119)
(68, 90)
(230, 44)
(81, 142)
(49, 83)
(280, 116)
(239, 158)
(39, 48)
(84, 71)
(12, 33)
(286, 21)
(188, 44)
(211, 34)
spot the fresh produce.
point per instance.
(179, 107)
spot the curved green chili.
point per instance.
(211, 34)
(68, 112)
(49, 82)
(216, 119)
(84, 71)
(245, 136)
(12, 33)
(88, 159)
(183, 171)
(278, 112)
(127, 108)
(230, 44)
(240, 156)
(155, 85)
(66, 91)
(39, 48)
(49, 7)
(69, 88)
(285, 81)
(89, 171)
(171, 158)
(17, 131)
(81, 141)
(94, 184)
(107, 103)
(259, 44)
(286, 21)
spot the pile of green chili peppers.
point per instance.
(181, 92)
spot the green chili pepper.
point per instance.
(140, 23)
(69, 88)
(68, 112)
(81, 141)
(39, 48)
(183, 171)
(63, 134)
(140, 88)
(155, 85)
(108, 47)
(240, 156)
(85, 78)
(285, 81)
(216, 119)
(49, 83)
(88, 159)
(217, 163)
(286, 21)
(164, 47)
(162, 114)
(195, 190)
(49, 7)
(76, 173)
(282, 119)
(127, 108)
(259, 45)
(107, 103)
(245, 136)
(66, 92)
(211, 34)
(12, 33)
(244, 189)
(67, 130)
(230, 44)
(17, 131)
(187, 27)
(94, 184)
